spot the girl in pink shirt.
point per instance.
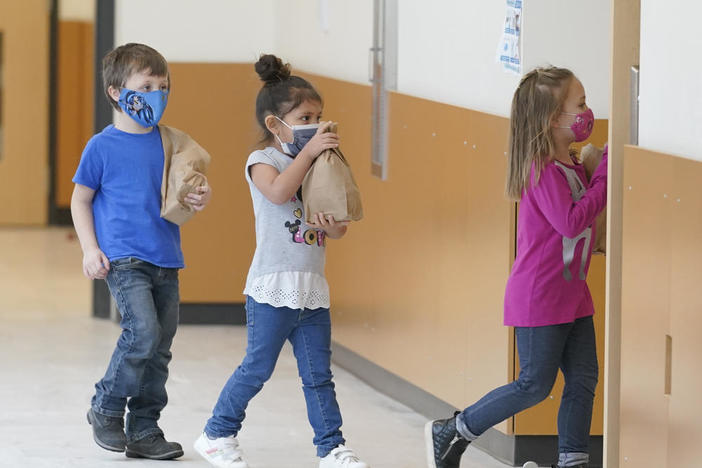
(547, 299)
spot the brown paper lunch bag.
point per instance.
(329, 187)
(590, 157)
(184, 167)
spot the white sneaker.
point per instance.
(222, 453)
(342, 457)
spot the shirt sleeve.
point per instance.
(553, 197)
(90, 168)
(260, 157)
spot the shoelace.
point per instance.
(230, 449)
(346, 456)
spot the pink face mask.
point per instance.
(582, 127)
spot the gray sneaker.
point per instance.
(154, 447)
(108, 431)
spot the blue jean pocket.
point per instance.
(126, 262)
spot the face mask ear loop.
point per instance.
(284, 123)
(567, 113)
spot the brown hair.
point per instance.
(281, 92)
(120, 63)
(537, 100)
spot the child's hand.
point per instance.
(95, 264)
(331, 227)
(322, 140)
(200, 198)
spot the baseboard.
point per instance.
(60, 217)
(510, 449)
(212, 314)
(232, 313)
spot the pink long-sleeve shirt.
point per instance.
(555, 230)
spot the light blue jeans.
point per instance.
(147, 298)
(268, 327)
(542, 351)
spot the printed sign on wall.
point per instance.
(509, 48)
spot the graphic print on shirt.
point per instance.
(577, 190)
(310, 236)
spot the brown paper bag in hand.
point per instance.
(590, 157)
(184, 166)
(329, 187)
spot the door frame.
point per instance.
(625, 46)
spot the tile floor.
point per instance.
(52, 351)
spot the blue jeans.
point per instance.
(542, 351)
(268, 327)
(147, 298)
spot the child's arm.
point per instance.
(95, 263)
(279, 187)
(553, 197)
(332, 228)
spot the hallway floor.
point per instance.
(52, 352)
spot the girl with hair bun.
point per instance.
(287, 293)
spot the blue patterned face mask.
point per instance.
(145, 108)
(301, 135)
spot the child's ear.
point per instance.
(114, 93)
(556, 120)
(271, 124)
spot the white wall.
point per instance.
(447, 53)
(670, 115)
(574, 35)
(198, 31)
(334, 44)
(446, 48)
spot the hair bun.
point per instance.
(271, 69)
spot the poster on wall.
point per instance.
(509, 48)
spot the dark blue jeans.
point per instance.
(542, 351)
(147, 298)
(268, 327)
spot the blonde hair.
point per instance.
(537, 100)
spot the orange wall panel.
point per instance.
(74, 105)
(418, 284)
(214, 103)
(24, 161)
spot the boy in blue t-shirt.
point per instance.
(116, 207)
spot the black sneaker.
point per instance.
(582, 465)
(108, 431)
(154, 447)
(444, 444)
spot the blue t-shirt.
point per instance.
(126, 170)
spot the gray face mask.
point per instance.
(301, 135)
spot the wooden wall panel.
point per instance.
(646, 294)
(685, 411)
(418, 284)
(74, 107)
(25, 106)
(214, 103)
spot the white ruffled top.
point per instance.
(294, 289)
